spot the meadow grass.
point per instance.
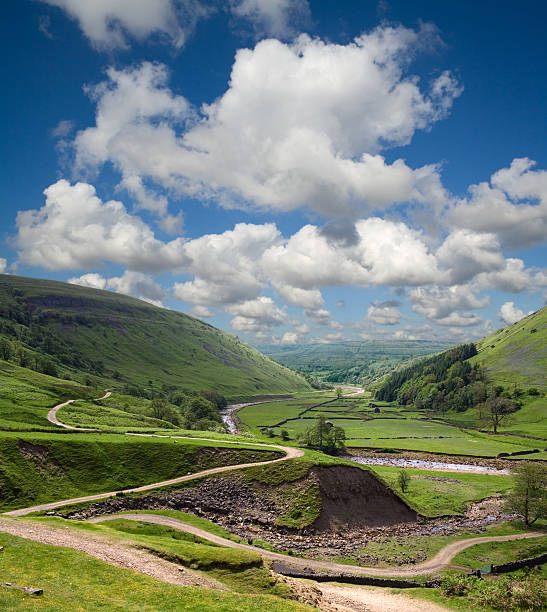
(436, 498)
(501, 552)
(74, 582)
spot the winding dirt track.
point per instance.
(431, 566)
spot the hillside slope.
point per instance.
(82, 332)
(517, 354)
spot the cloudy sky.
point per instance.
(288, 170)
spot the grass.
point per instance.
(36, 469)
(26, 396)
(74, 582)
(496, 553)
(241, 570)
(438, 498)
(394, 427)
(137, 342)
(517, 355)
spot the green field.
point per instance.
(517, 355)
(395, 427)
(434, 497)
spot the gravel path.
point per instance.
(113, 552)
(431, 566)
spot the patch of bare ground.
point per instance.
(370, 599)
(113, 552)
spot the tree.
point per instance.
(5, 349)
(338, 392)
(498, 410)
(284, 434)
(528, 497)
(324, 436)
(403, 480)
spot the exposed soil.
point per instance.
(39, 455)
(355, 498)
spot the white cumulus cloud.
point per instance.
(76, 229)
(510, 314)
(289, 131)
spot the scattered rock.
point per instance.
(31, 591)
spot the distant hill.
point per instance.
(517, 354)
(510, 364)
(92, 335)
(357, 362)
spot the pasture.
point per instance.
(393, 427)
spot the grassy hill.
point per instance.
(103, 337)
(517, 355)
(356, 361)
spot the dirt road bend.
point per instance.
(431, 566)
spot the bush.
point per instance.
(524, 590)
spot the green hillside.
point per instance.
(517, 355)
(101, 338)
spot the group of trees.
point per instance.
(190, 410)
(448, 382)
(323, 436)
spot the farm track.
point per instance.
(441, 560)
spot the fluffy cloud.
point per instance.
(385, 253)
(505, 206)
(448, 306)
(201, 312)
(271, 17)
(125, 106)
(289, 132)
(226, 266)
(510, 314)
(513, 277)
(322, 317)
(107, 23)
(384, 313)
(3, 265)
(256, 315)
(130, 283)
(75, 229)
(464, 254)
(91, 280)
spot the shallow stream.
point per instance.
(426, 465)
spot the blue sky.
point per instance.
(291, 171)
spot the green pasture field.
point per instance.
(74, 581)
(400, 427)
(39, 468)
(530, 420)
(435, 497)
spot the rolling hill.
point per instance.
(517, 354)
(98, 337)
